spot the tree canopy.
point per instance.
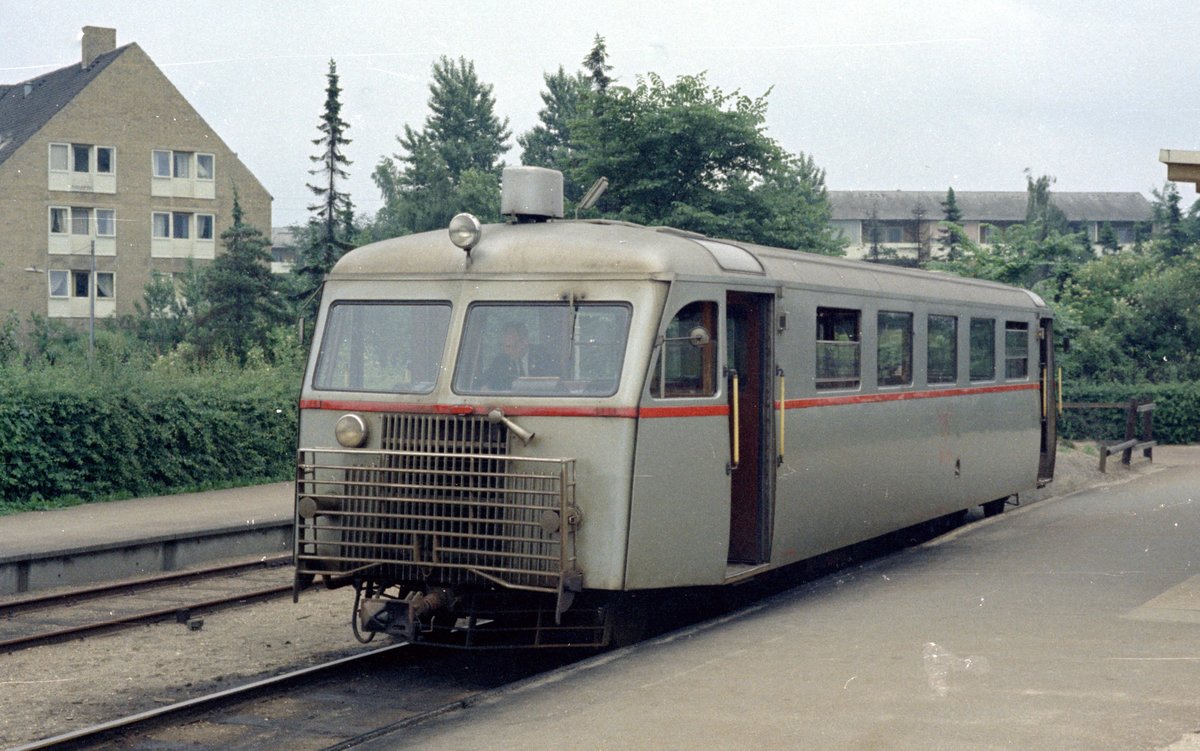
(453, 162)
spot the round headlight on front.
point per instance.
(350, 431)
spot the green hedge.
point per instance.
(70, 437)
(1176, 411)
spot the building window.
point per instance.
(104, 285)
(183, 164)
(60, 157)
(60, 283)
(1016, 350)
(106, 222)
(204, 166)
(81, 153)
(204, 226)
(942, 349)
(983, 349)
(839, 335)
(160, 223)
(894, 340)
(162, 164)
(81, 283)
(83, 158)
(79, 221)
(181, 225)
(58, 220)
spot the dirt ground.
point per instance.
(46, 691)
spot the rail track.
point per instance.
(336, 705)
(182, 595)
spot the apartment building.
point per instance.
(908, 222)
(108, 174)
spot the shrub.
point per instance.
(94, 433)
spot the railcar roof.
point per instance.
(621, 250)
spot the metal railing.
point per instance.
(1136, 411)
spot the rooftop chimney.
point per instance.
(96, 41)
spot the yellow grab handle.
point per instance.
(782, 417)
(737, 425)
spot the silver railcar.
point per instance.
(504, 436)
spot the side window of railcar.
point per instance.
(385, 347)
(942, 355)
(895, 348)
(1016, 350)
(553, 349)
(684, 367)
(983, 349)
(839, 338)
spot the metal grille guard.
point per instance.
(420, 515)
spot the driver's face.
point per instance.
(514, 345)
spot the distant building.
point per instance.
(908, 222)
(107, 174)
(1182, 166)
(283, 249)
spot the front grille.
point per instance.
(442, 502)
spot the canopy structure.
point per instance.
(1182, 166)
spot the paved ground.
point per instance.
(1072, 623)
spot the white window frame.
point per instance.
(110, 218)
(63, 277)
(64, 223)
(212, 166)
(154, 165)
(201, 219)
(154, 218)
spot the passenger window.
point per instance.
(839, 335)
(687, 366)
(1016, 350)
(942, 349)
(983, 349)
(894, 340)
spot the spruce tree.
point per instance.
(242, 302)
(327, 236)
(453, 162)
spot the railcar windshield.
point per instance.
(553, 349)
(382, 347)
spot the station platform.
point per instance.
(1070, 623)
(125, 539)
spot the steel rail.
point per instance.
(125, 585)
(200, 702)
(146, 616)
(80, 596)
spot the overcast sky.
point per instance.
(883, 94)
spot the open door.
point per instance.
(1051, 389)
(750, 374)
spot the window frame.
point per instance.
(111, 220)
(1021, 355)
(205, 222)
(154, 163)
(904, 377)
(976, 351)
(930, 366)
(63, 276)
(664, 386)
(834, 317)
